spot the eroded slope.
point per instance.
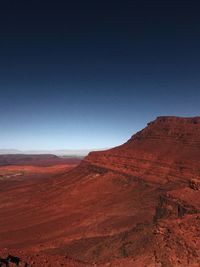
(134, 205)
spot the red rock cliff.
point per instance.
(167, 149)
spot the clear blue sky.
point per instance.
(89, 75)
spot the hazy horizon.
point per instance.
(58, 152)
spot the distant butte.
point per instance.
(137, 204)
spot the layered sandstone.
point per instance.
(134, 205)
(167, 149)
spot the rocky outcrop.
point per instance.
(167, 149)
(195, 184)
(176, 241)
(177, 203)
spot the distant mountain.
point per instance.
(61, 152)
(37, 160)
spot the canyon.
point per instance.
(137, 204)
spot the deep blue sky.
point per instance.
(91, 73)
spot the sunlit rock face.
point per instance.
(167, 149)
(134, 205)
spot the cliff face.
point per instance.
(134, 205)
(177, 203)
(167, 149)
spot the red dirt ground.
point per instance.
(133, 205)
